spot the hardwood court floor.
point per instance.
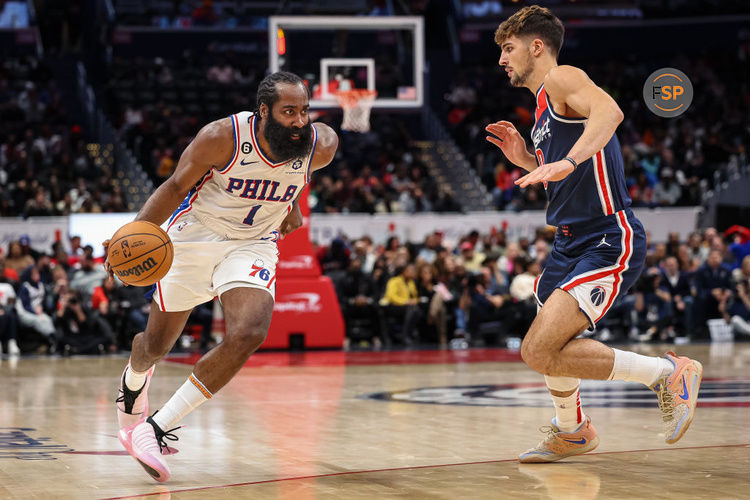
(426, 425)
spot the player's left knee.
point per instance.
(247, 336)
(536, 357)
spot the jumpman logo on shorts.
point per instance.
(603, 242)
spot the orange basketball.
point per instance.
(140, 253)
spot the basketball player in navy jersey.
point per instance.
(233, 194)
(599, 248)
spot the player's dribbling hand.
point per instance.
(107, 267)
(549, 172)
(508, 140)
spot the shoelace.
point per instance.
(549, 430)
(168, 435)
(666, 401)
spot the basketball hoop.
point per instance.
(356, 104)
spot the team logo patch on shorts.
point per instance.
(597, 294)
(260, 271)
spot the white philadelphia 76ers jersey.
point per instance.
(250, 196)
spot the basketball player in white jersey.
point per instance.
(232, 195)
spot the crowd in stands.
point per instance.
(64, 302)
(667, 162)
(481, 290)
(45, 168)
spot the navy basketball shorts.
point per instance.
(594, 261)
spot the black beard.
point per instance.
(279, 138)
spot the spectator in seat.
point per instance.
(81, 330)
(432, 299)
(666, 191)
(88, 277)
(401, 301)
(31, 312)
(697, 251)
(677, 283)
(712, 284)
(358, 294)
(5, 272)
(470, 258)
(736, 310)
(44, 266)
(524, 305)
(364, 252)
(16, 259)
(484, 307)
(8, 318)
(653, 306)
(335, 257)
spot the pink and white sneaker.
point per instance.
(145, 443)
(132, 406)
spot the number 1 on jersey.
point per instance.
(249, 219)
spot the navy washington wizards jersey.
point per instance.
(596, 187)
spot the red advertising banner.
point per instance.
(307, 309)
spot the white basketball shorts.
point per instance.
(206, 265)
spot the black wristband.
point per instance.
(571, 160)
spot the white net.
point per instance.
(356, 104)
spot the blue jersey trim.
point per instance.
(312, 152)
(235, 133)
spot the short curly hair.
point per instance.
(533, 20)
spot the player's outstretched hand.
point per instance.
(291, 222)
(549, 172)
(506, 137)
(107, 267)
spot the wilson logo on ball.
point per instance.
(141, 268)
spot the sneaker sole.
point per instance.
(151, 471)
(692, 405)
(540, 459)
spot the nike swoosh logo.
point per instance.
(582, 441)
(684, 394)
(243, 163)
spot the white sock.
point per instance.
(568, 413)
(633, 367)
(134, 380)
(190, 396)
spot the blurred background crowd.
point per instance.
(92, 119)
(479, 292)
